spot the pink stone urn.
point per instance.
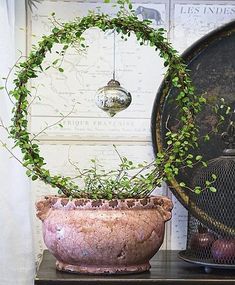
(102, 236)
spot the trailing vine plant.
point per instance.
(117, 183)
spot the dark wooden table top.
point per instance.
(166, 269)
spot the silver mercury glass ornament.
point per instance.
(113, 98)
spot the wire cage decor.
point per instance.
(212, 244)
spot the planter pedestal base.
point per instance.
(92, 269)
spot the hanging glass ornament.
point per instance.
(113, 98)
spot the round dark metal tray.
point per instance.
(208, 264)
(212, 64)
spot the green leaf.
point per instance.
(204, 163)
(55, 61)
(213, 189)
(202, 100)
(214, 176)
(166, 63)
(55, 30)
(228, 110)
(34, 177)
(198, 157)
(197, 191)
(206, 138)
(61, 69)
(28, 172)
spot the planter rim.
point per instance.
(54, 202)
(82, 203)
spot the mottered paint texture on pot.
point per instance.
(99, 237)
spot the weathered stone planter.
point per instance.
(103, 237)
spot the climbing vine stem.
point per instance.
(70, 34)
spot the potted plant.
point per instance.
(111, 224)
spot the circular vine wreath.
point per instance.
(168, 161)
